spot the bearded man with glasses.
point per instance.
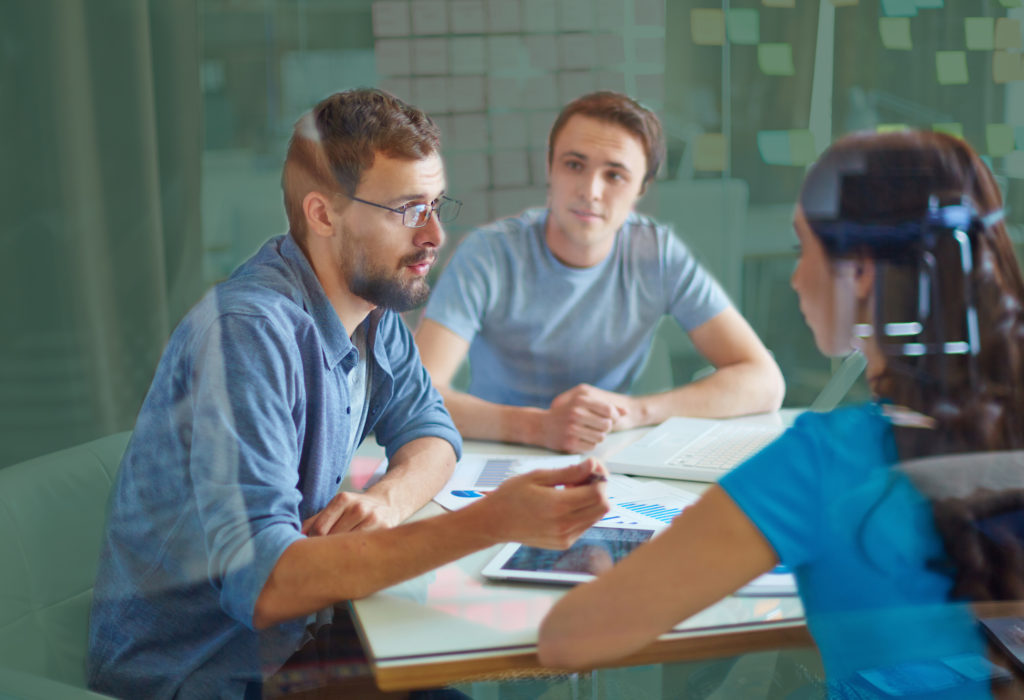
(227, 541)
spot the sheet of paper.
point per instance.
(476, 474)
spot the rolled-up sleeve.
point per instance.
(415, 409)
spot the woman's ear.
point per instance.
(864, 277)
(319, 215)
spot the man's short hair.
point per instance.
(334, 143)
(621, 110)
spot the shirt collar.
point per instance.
(334, 337)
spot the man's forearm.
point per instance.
(478, 419)
(734, 390)
(316, 572)
(416, 472)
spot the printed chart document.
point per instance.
(634, 503)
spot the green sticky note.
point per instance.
(951, 128)
(999, 139)
(895, 32)
(930, 4)
(1007, 33)
(951, 67)
(775, 59)
(744, 26)
(774, 147)
(710, 152)
(981, 32)
(1010, 3)
(801, 147)
(1018, 136)
(899, 8)
(707, 27)
(887, 128)
(779, 3)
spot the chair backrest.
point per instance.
(52, 513)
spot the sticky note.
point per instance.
(930, 4)
(801, 147)
(951, 67)
(895, 32)
(999, 139)
(980, 32)
(779, 3)
(744, 26)
(710, 152)
(707, 27)
(774, 147)
(951, 128)
(899, 8)
(775, 59)
(1006, 66)
(1013, 164)
(1010, 3)
(844, 3)
(888, 128)
(1007, 33)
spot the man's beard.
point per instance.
(386, 290)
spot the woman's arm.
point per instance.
(709, 551)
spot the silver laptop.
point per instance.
(695, 449)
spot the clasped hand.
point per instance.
(579, 419)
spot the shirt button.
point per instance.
(348, 409)
(337, 480)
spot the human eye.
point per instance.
(574, 165)
(616, 176)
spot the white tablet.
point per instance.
(596, 551)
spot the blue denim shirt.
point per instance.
(245, 432)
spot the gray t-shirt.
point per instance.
(537, 327)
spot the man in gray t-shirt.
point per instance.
(557, 307)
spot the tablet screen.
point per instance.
(596, 551)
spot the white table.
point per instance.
(452, 625)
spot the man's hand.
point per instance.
(579, 419)
(351, 511)
(530, 509)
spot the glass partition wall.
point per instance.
(147, 166)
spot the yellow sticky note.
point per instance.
(1006, 67)
(999, 139)
(801, 147)
(775, 59)
(1007, 33)
(980, 32)
(710, 152)
(895, 33)
(707, 27)
(951, 128)
(951, 67)
(779, 3)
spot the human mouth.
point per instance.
(420, 264)
(587, 215)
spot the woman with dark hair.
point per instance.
(904, 256)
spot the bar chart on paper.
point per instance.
(657, 511)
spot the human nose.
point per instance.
(591, 187)
(431, 234)
(794, 281)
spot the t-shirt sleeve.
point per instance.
(781, 490)
(694, 295)
(244, 455)
(466, 289)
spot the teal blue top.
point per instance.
(858, 536)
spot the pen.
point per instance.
(594, 478)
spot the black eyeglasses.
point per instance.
(417, 215)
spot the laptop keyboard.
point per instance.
(722, 448)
